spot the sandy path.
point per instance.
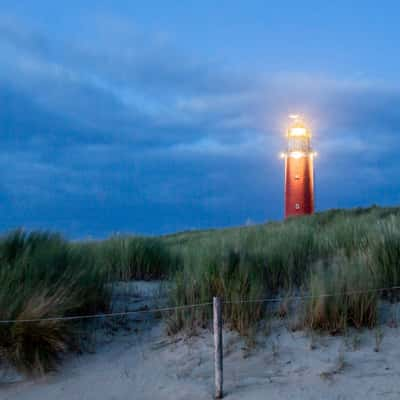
(282, 366)
(147, 365)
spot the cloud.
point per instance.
(121, 124)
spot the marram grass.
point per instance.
(44, 276)
(339, 251)
(332, 252)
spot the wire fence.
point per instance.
(197, 305)
(107, 315)
(214, 359)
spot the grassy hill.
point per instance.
(334, 252)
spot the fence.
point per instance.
(218, 306)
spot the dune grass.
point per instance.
(332, 252)
(342, 294)
(336, 252)
(44, 276)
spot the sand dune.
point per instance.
(281, 366)
(145, 364)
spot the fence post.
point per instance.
(218, 349)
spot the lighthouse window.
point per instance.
(297, 206)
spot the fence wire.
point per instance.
(198, 305)
(274, 357)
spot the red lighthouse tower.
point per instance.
(299, 170)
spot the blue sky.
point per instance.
(125, 117)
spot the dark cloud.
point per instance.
(119, 131)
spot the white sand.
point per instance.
(283, 365)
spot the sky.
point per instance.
(155, 117)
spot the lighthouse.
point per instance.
(299, 169)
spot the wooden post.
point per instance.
(218, 354)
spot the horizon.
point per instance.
(248, 224)
(158, 120)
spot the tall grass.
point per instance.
(333, 252)
(342, 294)
(43, 276)
(230, 274)
(384, 252)
(127, 258)
(339, 251)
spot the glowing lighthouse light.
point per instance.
(298, 131)
(299, 169)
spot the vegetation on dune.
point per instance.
(337, 251)
(128, 258)
(211, 271)
(43, 276)
(331, 256)
(342, 293)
